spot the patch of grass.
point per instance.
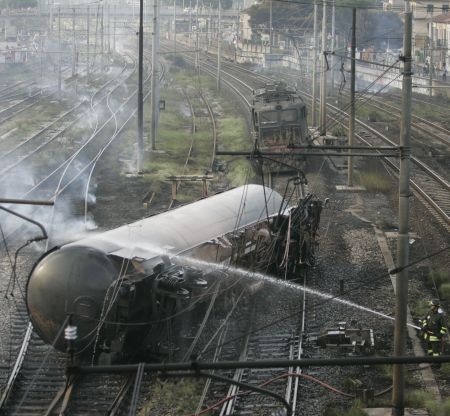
(354, 410)
(420, 308)
(370, 114)
(173, 397)
(418, 399)
(438, 277)
(374, 182)
(339, 131)
(233, 134)
(239, 172)
(177, 60)
(444, 291)
(422, 399)
(445, 369)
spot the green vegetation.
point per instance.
(177, 60)
(367, 113)
(375, 182)
(440, 279)
(418, 399)
(339, 131)
(444, 291)
(173, 397)
(445, 369)
(422, 399)
(175, 138)
(420, 308)
(355, 410)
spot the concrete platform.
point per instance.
(387, 411)
(345, 188)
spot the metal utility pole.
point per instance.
(51, 19)
(314, 83)
(237, 33)
(109, 28)
(140, 156)
(190, 18)
(174, 26)
(101, 39)
(114, 29)
(197, 66)
(270, 27)
(323, 79)
(219, 45)
(351, 125)
(155, 73)
(333, 40)
(59, 53)
(74, 57)
(431, 49)
(401, 281)
(210, 27)
(87, 44)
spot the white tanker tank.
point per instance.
(114, 284)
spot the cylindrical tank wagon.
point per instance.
(118, 286)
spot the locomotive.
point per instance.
(279, 117)
(121, 288)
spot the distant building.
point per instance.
(423, 13)
(441, 36)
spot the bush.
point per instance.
(339, 131)
(375, 183)
(373, 116)
(418, 399)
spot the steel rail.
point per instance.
(385, 108)
(58, 134)
(228, 406)
(438, 209)
(33, 98)
(18, 364)
(299, 353)
(65, 165)
(214, 128)
(430, 172)
(119, 130)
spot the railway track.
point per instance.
(430, 186)
(202, 121)
(124, 392)
(249, 333)
(58, 388)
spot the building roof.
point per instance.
(442, 18)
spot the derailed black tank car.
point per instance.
(279, 117)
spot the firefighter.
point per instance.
(434, 328)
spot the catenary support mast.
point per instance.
(351, 126)
(314, 75)
(323, 78)
(398, 393)
(140, 155)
